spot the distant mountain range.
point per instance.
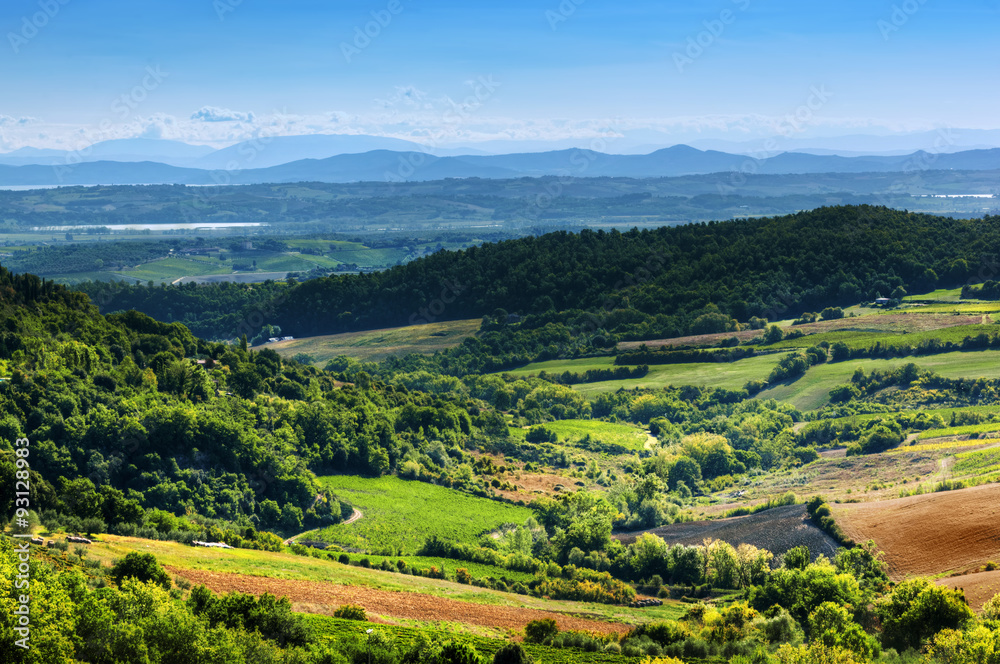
(262, 152)
(253, 163)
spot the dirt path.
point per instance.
(325, 598)
(354, 517)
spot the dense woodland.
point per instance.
(666, 279)
(609, 286)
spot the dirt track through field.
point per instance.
(979, 588)
(325, 598)
(932, 533)
(777, 530)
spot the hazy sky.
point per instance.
(218, 71)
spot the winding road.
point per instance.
(354, 517)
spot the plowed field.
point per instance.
(776, 530)
(979, 587)
(325, 598)
(930, 534)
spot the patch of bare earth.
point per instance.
(777, 530)
(979, 587)
(932, 533)
(325, 598)
(528, 486)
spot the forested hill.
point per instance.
(667, 278)
(131, 420)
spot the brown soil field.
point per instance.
(979, 587)
(777, 530)
(932, 533)
(325, 598)
(890, 323)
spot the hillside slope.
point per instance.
(666, 277)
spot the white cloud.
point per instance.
(216, 114)
(8, 121)
(415, 115)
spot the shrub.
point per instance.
(511, 653)
(351, 612)
(267, 614)
(141, 566)
(537, 631)
(797, 558)
(462, 575)
(344, 559)
(459, 653)
(991, 610)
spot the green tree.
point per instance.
(684, 470)
(773, 334)
(538, 631)
(865, 563)
(141, 566)
(831, 625)
(797, 557)
(916, 610)
(832, 313)
(291, 517)
(511, 653)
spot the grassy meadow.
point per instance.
(400, 515)
(811, 391)
(609, 433)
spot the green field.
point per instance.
(400, 515)
(979, 462)
(376, 345)
(986, 427)
(963, 307)
(808, 392)
(945, 413)
(329, 630)
(731, 375)
(939, 295)
(811, 391)
(477, 570)
(608, 433)
(371, 257)
(175, 267)
(867, 338)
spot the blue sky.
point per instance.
(219, 70)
